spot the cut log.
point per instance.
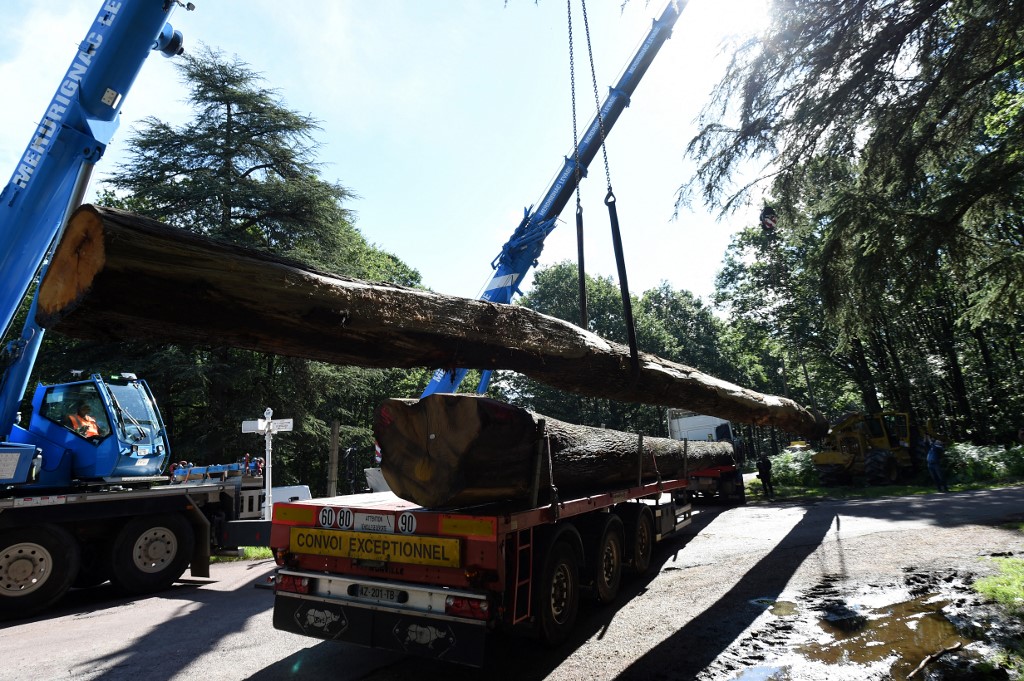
(117, 276)
(452, 450)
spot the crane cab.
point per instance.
(104, 430)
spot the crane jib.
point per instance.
(618, 99)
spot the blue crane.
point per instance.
(49, 182)
(521, 251)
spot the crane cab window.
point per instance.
(78, 408)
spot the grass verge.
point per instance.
(248, 553)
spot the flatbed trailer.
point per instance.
(382, 572)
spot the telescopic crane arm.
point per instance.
(521, 251)
(52, 175)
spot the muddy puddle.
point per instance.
(882, 631)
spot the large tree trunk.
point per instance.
(120, 276)
(451, 450)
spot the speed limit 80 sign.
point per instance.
(342, 518)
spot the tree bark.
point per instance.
(116, 275)
(452, 450)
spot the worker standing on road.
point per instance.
(764, 472)
(935, 452)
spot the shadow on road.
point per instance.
(697, 644)
(162, 652)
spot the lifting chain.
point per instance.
(609, 197)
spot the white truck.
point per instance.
(721, 483)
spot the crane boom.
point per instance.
(52, 174)
(520, 252)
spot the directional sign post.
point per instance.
(268, 427)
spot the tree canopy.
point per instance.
(893, 126)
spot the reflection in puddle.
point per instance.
(905, 632)
(783, 609)
(764, 674)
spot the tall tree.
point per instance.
(244, 170)
(924, 100)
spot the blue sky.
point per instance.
(446, 117)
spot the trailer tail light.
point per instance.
(292, 584)
(475, 608)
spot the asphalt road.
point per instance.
(705, 590)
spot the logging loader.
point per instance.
(879, 448)
(85, 498)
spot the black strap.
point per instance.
(581, 272)
(627, 304)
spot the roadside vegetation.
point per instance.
(1007, 589)
(967, 466)
(247, 553)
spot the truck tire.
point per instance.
(639, 524)
(37, 566)
(151, 552)
(832, 474)
(605, 566)
(880, 467)
(731, 489)
(558, 594)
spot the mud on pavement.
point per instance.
(928, 624)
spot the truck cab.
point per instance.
(98, 431)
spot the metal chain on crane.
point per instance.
(581, 272)
(627, 305)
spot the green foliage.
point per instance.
(973, 463)
(1007, 587)
(893, 141)
(671, 324)
(794, 469)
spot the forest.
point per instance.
(889, 138)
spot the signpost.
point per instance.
(268, 427)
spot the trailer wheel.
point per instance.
(639, 524)
(558, 595)
(606, 565)
(37, 566)
(151, 552)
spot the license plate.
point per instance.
(378, 593)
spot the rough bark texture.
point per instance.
(451, 450)
(119, 276)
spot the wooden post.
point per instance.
(332, 470)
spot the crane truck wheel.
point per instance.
(639, 525)
(604, 563)
(37, 566)
(151, 552)
(880, 467)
